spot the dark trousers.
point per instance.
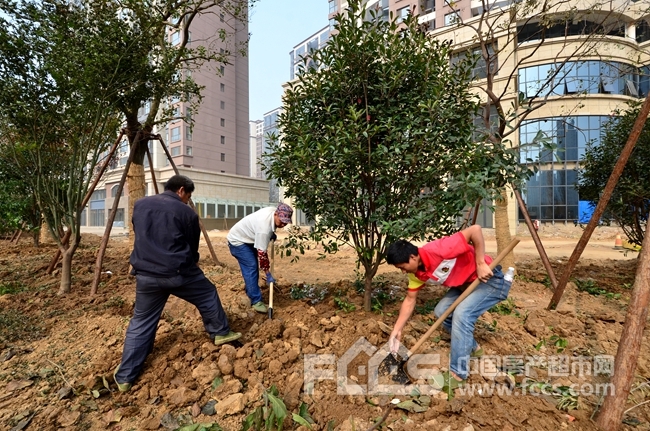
(151, 294)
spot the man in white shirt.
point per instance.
(248, 241)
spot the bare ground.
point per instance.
(54, 350)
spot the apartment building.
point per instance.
(590, 80)
(215, 152)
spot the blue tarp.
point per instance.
(585, 211)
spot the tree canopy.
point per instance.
(630, 201)
(377, 140)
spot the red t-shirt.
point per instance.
(448, 261)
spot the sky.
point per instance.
(276, 26)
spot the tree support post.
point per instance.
(153, 173)
(602, 203)
(111, 217)
(205, 233)
(536, 240)
(629, 346)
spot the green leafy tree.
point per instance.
(630, 201)
(56, 109)
(18, 206)
(377, 143)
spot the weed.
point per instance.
(114, 301)
(343, 303)
(568, 399)
(589, 285)
(505, 308)
(11, 287)
(382, 293)
(314, 294)
(559, 343)
(17, 326)
(272, 414)
(427, 307)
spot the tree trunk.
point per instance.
(502, 228)
(66, 267)
(135, 185)
(46, 235)
(367, 294)
(629, 346)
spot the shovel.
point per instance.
(272, 258)
(396, 367)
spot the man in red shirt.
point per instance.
(451, 262)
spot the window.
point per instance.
(223, 122)
(403, 13)
(223, 157)
(176, 38)
(176, 134)
(223, 140)
(480, 69)
(222, 87)
(222, 70)
(222, 17)
(188, 151)
(550, 193)
(581, 77)
(428, 6)
(188, 133)
(333, 6)
(177, 112)
(452, 18)
(114, 190)
(176, 151)
(223, 105)
(119, 216)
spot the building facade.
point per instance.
(578, 71)
(215, 151)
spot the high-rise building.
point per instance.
(256, 133)
(588, 80)
(215, 152)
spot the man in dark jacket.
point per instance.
(164, 259)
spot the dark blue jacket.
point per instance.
(166, 237)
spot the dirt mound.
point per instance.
(57, 353)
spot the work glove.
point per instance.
(269, 277)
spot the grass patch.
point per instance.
(505, 308)
(11, 287)
(16, 326)
(590, 286)
(427, 307)
(382, 292)
(312, 293)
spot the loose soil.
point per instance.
(57, 353)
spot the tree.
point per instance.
(506, 38)
(630, 201)
(18, 206)
(377, 143)
(56, 113)
(156, 37)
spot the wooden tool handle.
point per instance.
(462, 296)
